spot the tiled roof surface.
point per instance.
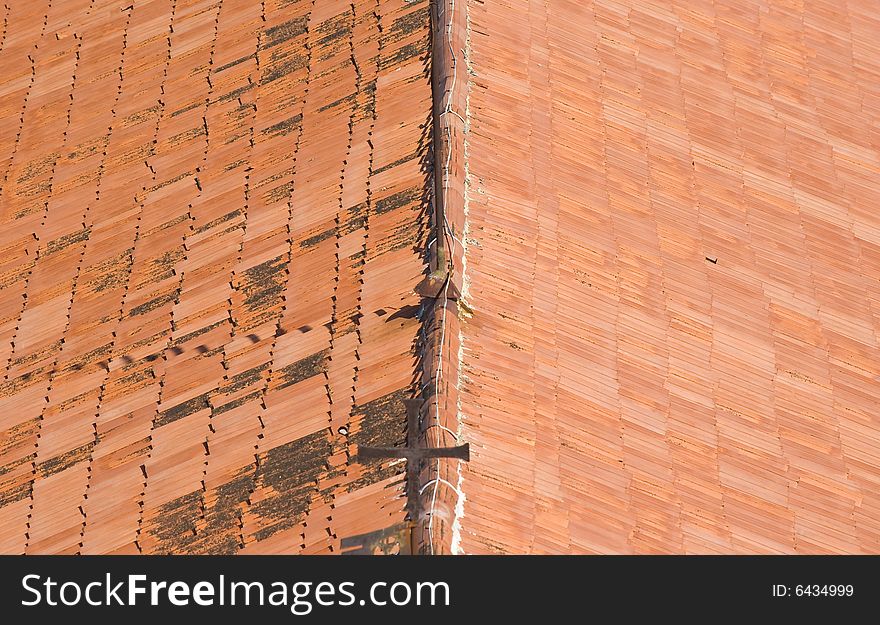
(213, 216)
(673, 262)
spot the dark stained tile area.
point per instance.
(197, 201)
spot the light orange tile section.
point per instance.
(673, 263)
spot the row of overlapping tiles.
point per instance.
(673, 261)
(212, 220)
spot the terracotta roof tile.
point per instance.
(185, 185)
(215, 213)
(673, 343)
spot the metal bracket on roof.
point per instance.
(414, 454)
(436, 284)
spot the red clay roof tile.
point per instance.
(673, 346)
(183, 182)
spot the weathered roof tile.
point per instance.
(166, 171)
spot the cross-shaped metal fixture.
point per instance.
(414, 454)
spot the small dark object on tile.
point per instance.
(381, 312)
(152, 357)
(176, 351)
(253, 338)
(280, 332)
(77, 367)
(127, 359)
(305, 329)
(104, 365)
(712, 259)
(202, 349)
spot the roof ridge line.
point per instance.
(439, 493)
